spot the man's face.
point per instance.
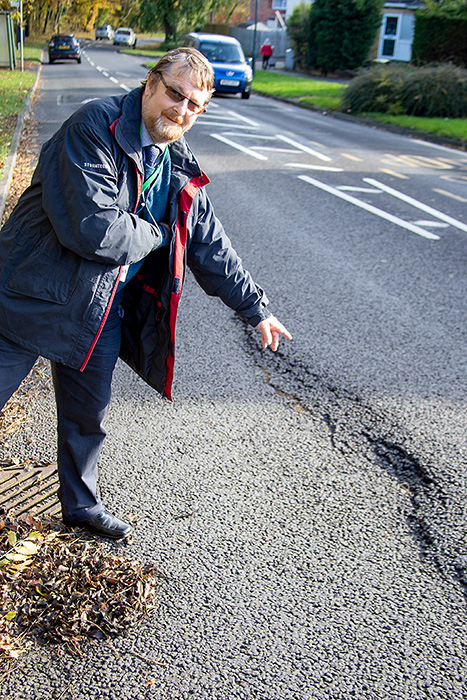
(166, 118)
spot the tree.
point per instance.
(44, 17)
(343, 32)
(173, 16)
(233, 11)
(298, 29)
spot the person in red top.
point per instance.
(266, 53)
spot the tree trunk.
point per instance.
(169, 29)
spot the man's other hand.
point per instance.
(271, 329)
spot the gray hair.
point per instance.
(187, 60)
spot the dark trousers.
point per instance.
(82, 400)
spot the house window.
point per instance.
(388, 47)
(391, 26)
(279, 4)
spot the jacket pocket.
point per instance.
(48, 272)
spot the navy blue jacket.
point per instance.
(72, 230)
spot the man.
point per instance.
(92, 263)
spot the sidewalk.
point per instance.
(279, 67)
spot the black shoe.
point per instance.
(104, 524)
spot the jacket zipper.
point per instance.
(139, 183)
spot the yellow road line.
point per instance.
(393, 173)
(451, 195)
(352, 157)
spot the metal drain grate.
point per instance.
(30, 490)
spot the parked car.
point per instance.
(124, 36)
(64, 46)
(105, 31)
(232, 71)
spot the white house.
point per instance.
(292, 4)
(397, 29)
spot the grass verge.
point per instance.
(151, 51)
(321, 94)
(447, 128)
(14, 90)
(324, 95)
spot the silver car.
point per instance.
(105, 31)
(124, 36)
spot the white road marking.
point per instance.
(303, 148)
(248, 151)
(350, 188)
(250, 136)
(307, 166)
(272, 148)
(431, 224)
(237, 126)
(370, 208)
(228, 118)
(416, 203)
(242, 118)
(107, 75)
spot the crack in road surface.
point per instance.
(356, 429)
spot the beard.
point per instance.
(165, 129)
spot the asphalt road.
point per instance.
(308, 507)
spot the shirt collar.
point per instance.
(146, 140)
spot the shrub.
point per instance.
(431, 91)
(377, 89)
(441, 33)
(436, 91)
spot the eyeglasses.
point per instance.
(177, 96)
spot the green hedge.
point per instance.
(430, 91)
(439, 38)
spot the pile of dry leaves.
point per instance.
(61, 587)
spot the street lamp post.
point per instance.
(21, 34)
(254, 36)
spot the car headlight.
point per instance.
(248, 73)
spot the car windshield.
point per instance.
(126, 32)
(222, 53)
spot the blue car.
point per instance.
(232, 71)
